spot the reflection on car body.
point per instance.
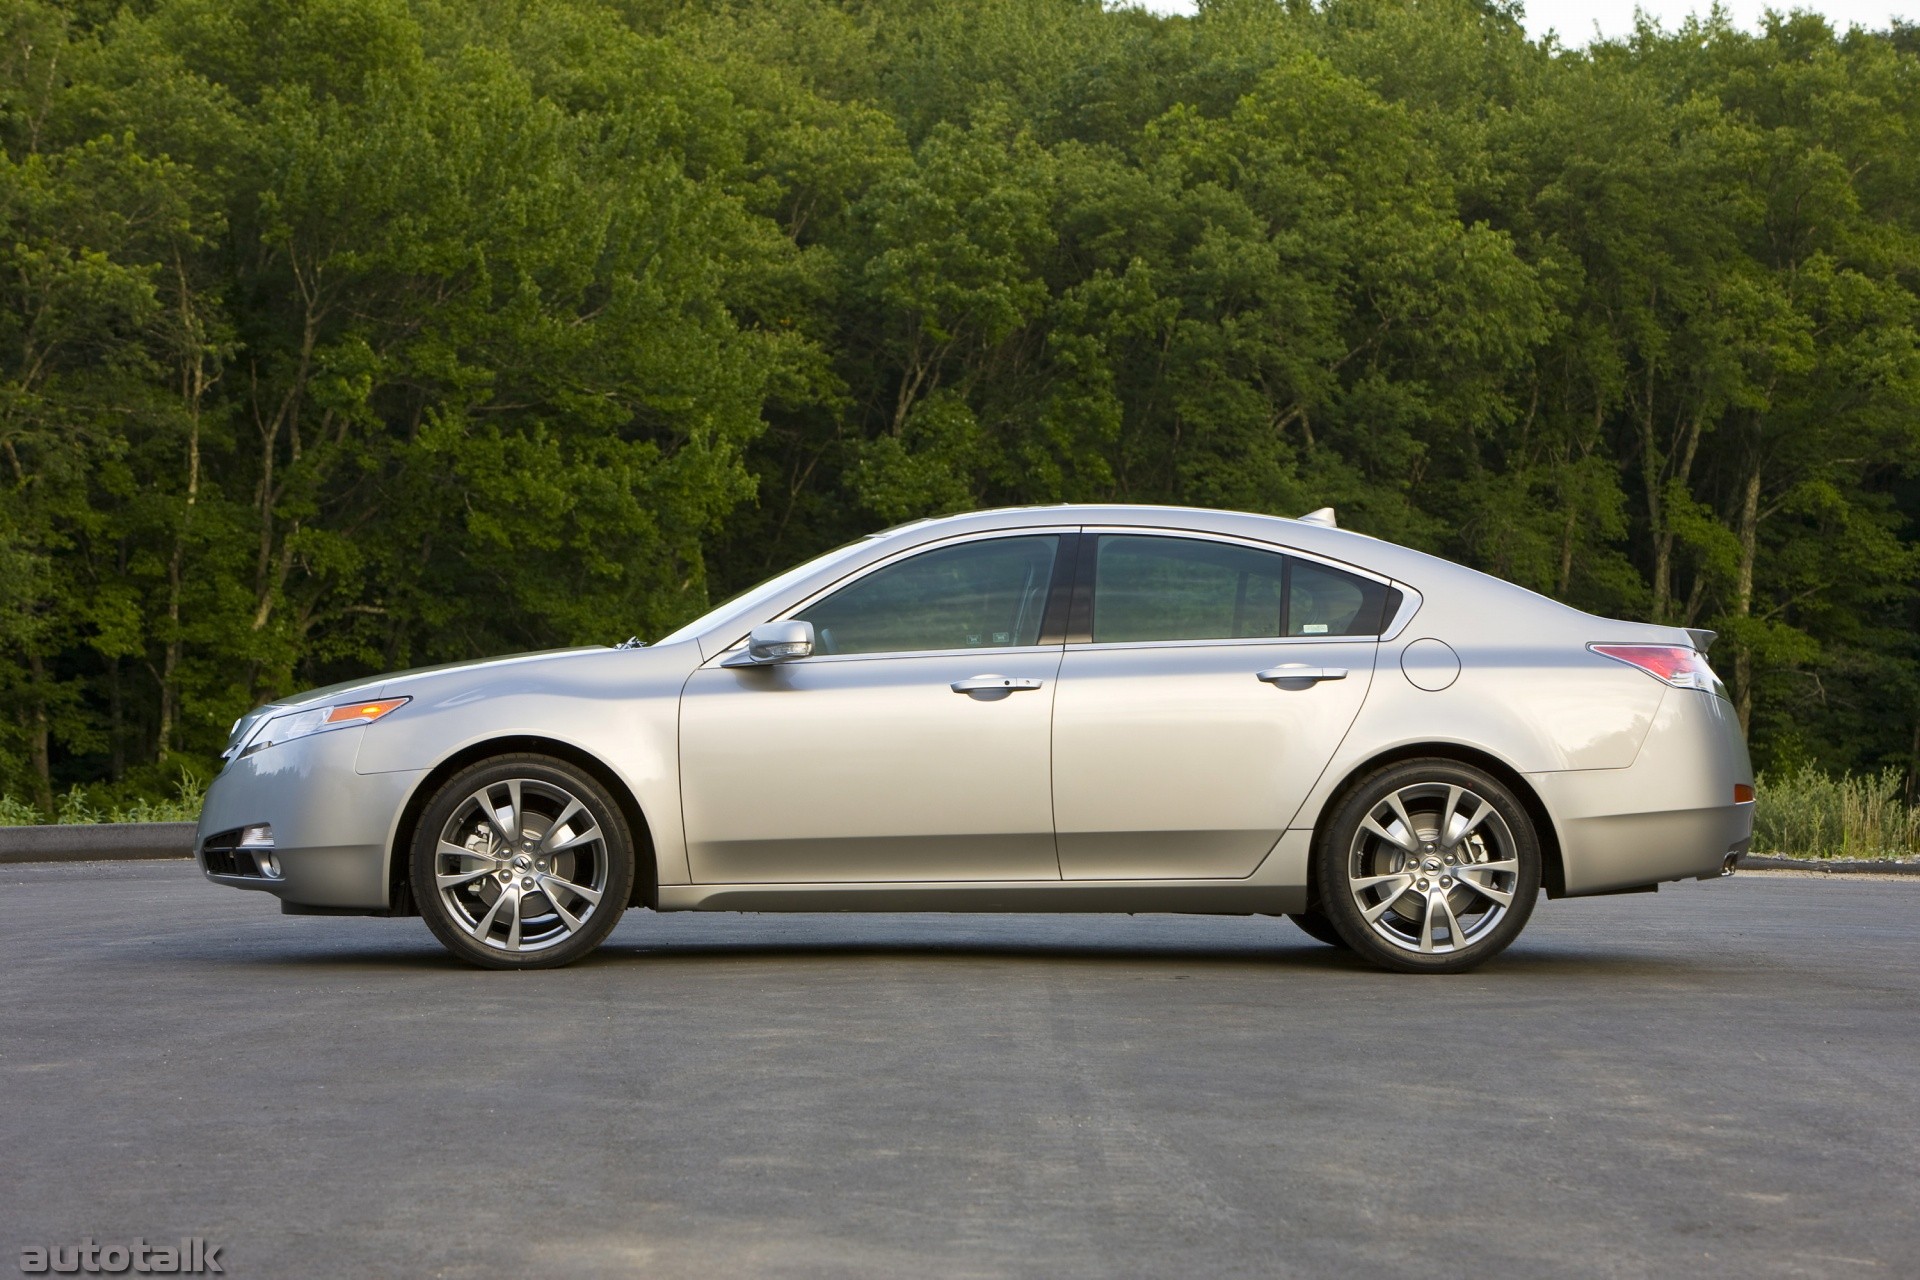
(1038, 709)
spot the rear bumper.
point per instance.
(332, 828)
(1668, 816)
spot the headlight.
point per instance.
(298, 724)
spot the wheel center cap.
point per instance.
(1431, 864)
(522, 862)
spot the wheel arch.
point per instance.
(1552, 870)
(646, 871)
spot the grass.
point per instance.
(1808, 813)
(1805, 813)
(79, 806)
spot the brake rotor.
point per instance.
(533, 903)
(1390, 860)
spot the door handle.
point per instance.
(994, 684)
(1289, 672)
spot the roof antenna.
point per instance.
(1323, 517)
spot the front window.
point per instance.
(989, 594)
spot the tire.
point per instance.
(522, 862)
(1320, 929)
(1404, 893)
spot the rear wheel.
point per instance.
(1429, 866)
(522, 862)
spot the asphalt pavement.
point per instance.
(1721, 1079)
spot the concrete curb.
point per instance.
(93, 842)
(1752, 863)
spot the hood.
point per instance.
(370, 687)
(394, 681)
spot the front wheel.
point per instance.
(1429, 866)
(522, 862)
(1319, 928)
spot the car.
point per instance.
(1063, 709)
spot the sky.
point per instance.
(1575, 20)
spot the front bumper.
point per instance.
(332, 828)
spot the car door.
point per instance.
(1205, 685)
(912, 745)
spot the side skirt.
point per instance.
(1277, 887)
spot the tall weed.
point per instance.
(79, 806)
(1810, 813)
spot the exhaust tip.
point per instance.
(1731, 864)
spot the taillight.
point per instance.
(1742, 793)
(1678, 665)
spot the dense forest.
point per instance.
(346, 335)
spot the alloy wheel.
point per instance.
(521, 865)
(1433, 868)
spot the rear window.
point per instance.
(1151, 588)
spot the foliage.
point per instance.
(1809, 813)
(344, 335)
(103, 804)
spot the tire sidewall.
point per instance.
(1316, 926)
(599, 803)
(1334, 900)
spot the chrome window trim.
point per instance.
(1218, 642)
(1410, 602)
(1399, 620)
(1252, 544)
(1036, 531)
(902, 655)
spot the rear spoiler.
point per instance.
(1702, 638)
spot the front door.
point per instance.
(1206, 694)
(911, 746)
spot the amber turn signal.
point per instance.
(1742, 793)
(367, 711)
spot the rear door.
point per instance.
(1206, 683)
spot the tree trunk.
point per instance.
(1913, 765)
(1655, 485)
(286, 417)
(1566, 554)
(1749, 533)
(163, 736)
(116, 723)
(39, 738)
(193, 387)
(170, 663)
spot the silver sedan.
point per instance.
(1041, 709)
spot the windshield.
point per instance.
(764, 591)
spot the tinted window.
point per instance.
(978, 595)
(1156, 588)
(1326, 602)
(1148, 588)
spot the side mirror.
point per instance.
(774, 642)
